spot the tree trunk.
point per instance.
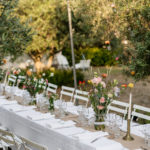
(39, 66)
(49, 63)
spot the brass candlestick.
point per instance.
(128, 136)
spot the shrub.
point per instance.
(98, 56)
(62, 77)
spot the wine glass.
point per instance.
(118, 124)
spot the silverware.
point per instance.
(95, 139)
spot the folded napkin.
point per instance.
(139, 130)
(47, 121)
(40, 116)
(18, 108)
(2, 97)
(106, 144)
(28, 113)
(88, 136)
(70, 131)
(6, 102)
(60, 124)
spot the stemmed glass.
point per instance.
(82, 113)
(61, 107)
(26, 97)
(118, 124)
(114, 122)
(146, 131)
(12, 91)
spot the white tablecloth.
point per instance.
(54, 139)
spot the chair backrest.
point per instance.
(21, 79)
(52, 88)
(82, 96)
(67, 91)
(12, 79)
(85, 63)
(118, 107)
(28, 143)
(7, 137)
(140, 113)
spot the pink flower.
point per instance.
(117, 58)
(100, 107)
(96, 80)
(46, 81)
(24, 86)
(8, 73)
(95, 90)
(99, 80)
(102, 100)
(103, 84)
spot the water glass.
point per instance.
(82, 113)
(119, 123)
(91, 121)
(146, 132)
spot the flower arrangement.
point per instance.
(82, 85)
(52, 98)
(30, 86)
(101, 95)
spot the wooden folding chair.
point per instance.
(12, 79)
(67, 91)
(118, 107)
(8, 139)
(138, 111)
(81, 96)
(29, 145)
(52, 88)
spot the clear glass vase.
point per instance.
(99, 123)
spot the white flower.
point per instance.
(43, 74)
(116, 91)
(110, 95)
(52, 74)
(103, 84)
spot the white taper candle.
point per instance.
(130, 104)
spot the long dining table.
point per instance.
(46, 130)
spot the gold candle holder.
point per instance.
(128, 136)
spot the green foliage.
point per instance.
(48, 20)
(63, 77)
(140, 38)
(98, 56)
(14, 36)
